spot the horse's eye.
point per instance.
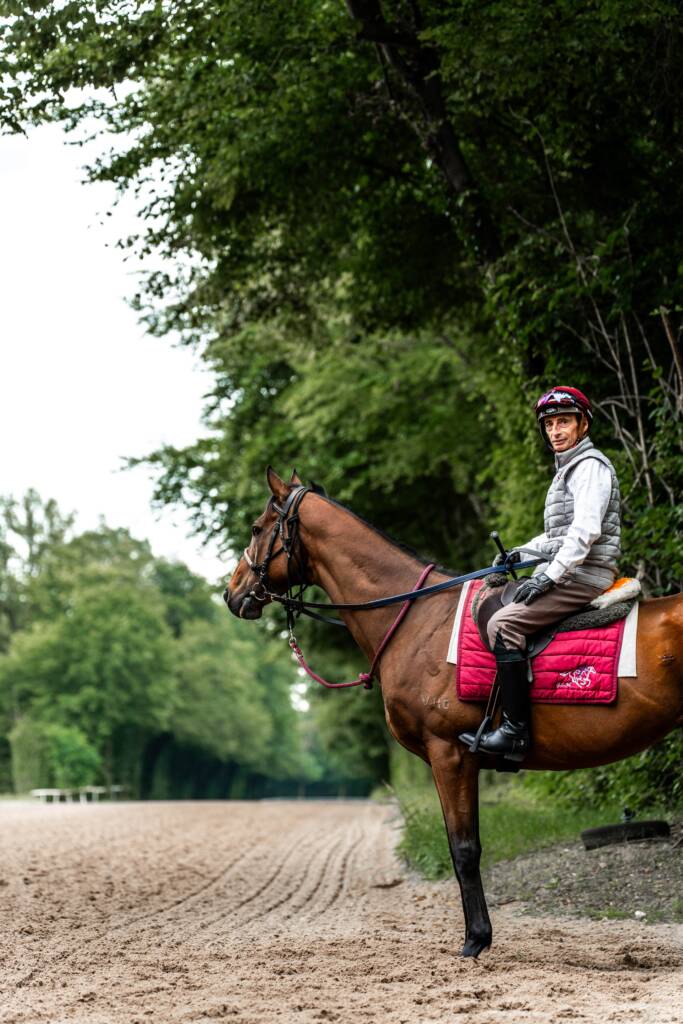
(255, 530)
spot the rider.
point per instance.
(580, 546)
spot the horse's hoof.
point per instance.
(473, 947)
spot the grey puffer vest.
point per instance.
(599, 568)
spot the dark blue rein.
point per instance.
(382, 602)
(437, 588)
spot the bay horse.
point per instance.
(353, 562)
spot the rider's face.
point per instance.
(564, 430)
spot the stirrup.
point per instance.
(485, 727)
(515, 756)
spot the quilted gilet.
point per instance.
(599, 568)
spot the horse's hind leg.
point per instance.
(457, 781)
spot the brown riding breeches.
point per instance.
(513, 623)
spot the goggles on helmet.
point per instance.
(561, 400)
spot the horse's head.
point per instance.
(273, 560)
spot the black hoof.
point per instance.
(473, 947)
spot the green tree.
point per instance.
(124, 657)
(471, 212)
(46, 754)
(389, 226)
(187, 597)
(353, 738)
(220, 705)
(105, 665)
(29, 529)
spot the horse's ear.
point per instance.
(318, 489)
(278, 487)
(296, 479)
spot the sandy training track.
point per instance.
(285, 911)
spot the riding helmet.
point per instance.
(562, 400)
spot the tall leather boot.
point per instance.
(511, 739)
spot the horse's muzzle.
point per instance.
(244, 607)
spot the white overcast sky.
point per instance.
(82, 386)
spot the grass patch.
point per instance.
(511, 823)
(607, 914)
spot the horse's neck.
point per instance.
(354, 563)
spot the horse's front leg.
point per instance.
(456, 776)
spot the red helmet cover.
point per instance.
(563, 399)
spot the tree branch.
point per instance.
(678, 359)
(419, 70)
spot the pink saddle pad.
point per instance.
(579, 667)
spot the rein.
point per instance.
(383, 602)
(365, 678)
(286, 529)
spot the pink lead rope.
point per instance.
(365, 678)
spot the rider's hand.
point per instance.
(510, 559)
(532, 588)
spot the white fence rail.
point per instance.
(84, 794)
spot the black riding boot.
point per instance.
(511, 739)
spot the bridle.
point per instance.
(286, 529)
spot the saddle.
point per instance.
(493, 596)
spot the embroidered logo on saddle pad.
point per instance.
(580, 677)
(577, 667)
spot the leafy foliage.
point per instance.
(511, 825)
(339, 281)
(123, 654)
(46, 755)
(106, 663)
(385, 260)
(648, 780)
(235, 702)
(28, 530)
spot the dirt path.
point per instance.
(260, 912)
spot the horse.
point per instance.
(353, 562)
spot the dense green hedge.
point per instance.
(653, 778)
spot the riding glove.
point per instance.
(507, 560)
(532, 588)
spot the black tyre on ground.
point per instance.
(626, 832)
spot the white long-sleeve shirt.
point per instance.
(590, 484)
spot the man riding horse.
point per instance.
(580, 547)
